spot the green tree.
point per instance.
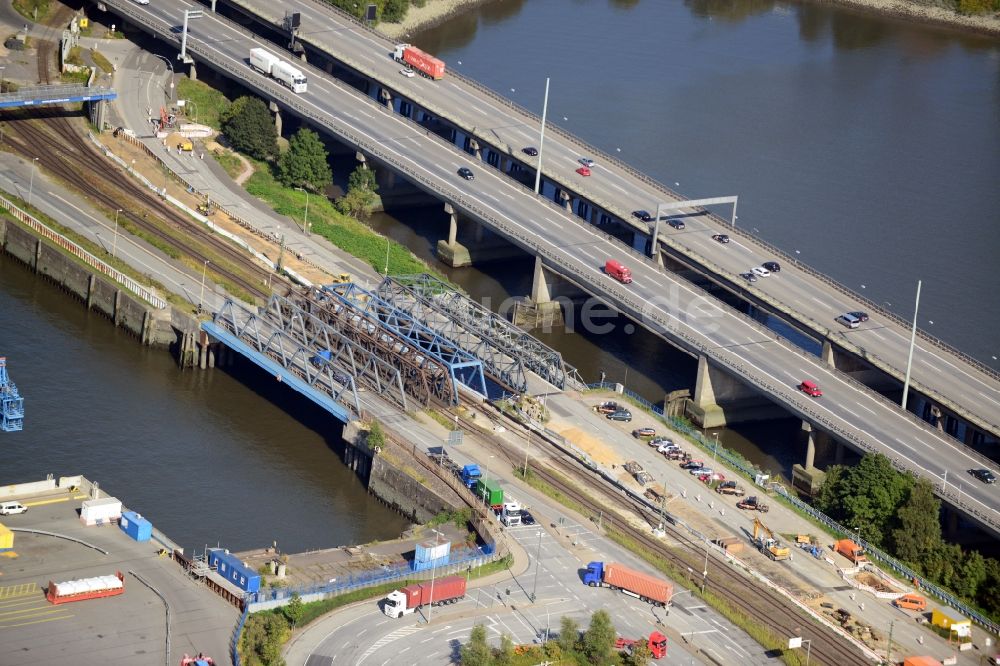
(305, 163)
(477, 651)
(599, 639)
(361, 190)
(828, 499)
(867, 496)
(294, 610)
(919, 531)
(247, 124)
(641, 655)
(394, 11)
(569, 634)
(376, 436)
(989, 592)
(505, 653)
(969, 575)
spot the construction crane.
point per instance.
(767, 543)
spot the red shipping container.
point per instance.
(424, 62)
(650, 587)
(444, 589)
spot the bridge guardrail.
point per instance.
(600, 289)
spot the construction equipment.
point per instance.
(206, 208)
(767, 542)
(752, 504)
(343, 278)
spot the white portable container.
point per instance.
(290, 76)
(263, 61)
(100, 511)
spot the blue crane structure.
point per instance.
(11, 402)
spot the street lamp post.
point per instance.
(913, 340)
(114, 243)
(201, 296)
(31, 181)
(704, 571)
(715, 451)
(538, 558)
(171, 97)
(188, 15)
(305, 221)
(541, 138)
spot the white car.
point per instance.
(665, 448)
(406, 71)
(587, 162)
(760, 271)
(141, 2)
(701, 470)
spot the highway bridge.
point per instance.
(498, 130)
(55, 94)
(726, 342)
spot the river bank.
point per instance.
(438, 11)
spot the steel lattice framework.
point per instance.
(506, 349)
(424, 378)
(314, 353)
(464, 367)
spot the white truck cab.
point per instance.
(394, 605)
(510, 515)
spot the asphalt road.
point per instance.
(666, 305)
(808, 299)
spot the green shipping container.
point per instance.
(489, 491)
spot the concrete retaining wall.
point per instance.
(18, 489)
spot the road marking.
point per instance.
(871, 411)
(21, 590)
(388, 638)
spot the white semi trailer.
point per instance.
(283, 72)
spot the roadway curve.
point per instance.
(667, 305)
(944, 374)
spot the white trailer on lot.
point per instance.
(100, 511)
(281, 71)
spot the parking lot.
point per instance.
(129, 628)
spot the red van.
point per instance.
(809, 388)
(618, 272)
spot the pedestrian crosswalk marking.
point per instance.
(388, 638)
(22, 590)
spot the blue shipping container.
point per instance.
(431, 564)
(135, 526)
(231, 568)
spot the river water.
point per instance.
(209, 457)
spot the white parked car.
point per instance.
(760, 271)
(664, 448)
(701, 470)
(407, 72)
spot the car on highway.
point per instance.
(772, 266)
(643, 432)
(760, 271)
(620, 415)
(859, 315)
(676, 224)
(583, 171)
(849, 320)
(642, 215)
(530, 150)
(527, 518)
(720, 238)
(587, 162)
(749, 277)
(466, 173)
(407, 72)
(984, 475)
(141, 2)
(810, 388)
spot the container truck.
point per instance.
(284, 73)
(510, 514)
(656, 642)
(85, 588)
(426, 64)
(490, 492)
(635, 583)
(470, 475)
(621, 273)
(446, 590)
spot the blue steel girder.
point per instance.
(424, 377)
(11, 402)
(506, 370)
(313, 334)
(515, 343)
(465, 368)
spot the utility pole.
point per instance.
(913, 340)
(541, 138)
(114, 243)
(888, 649)
(538, 558)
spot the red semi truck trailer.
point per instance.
(424, 63)
(636, 583)
(441, 591)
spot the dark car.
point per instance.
(530, 150)
(527, 518)
(620, 415)
(676, 224)
(772, 266)
(642, 215)
(860, 316)
(721, 238)
(643, 432)
(749, 277)
(608, 407)
(984, 475)
(466, 173)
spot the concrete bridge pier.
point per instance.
(276, 110)
(451, 251)
(475, 149)
(386, 97)
(720, 399)
(807, 478)
(192, 71)
(540, 309)
(567, 200)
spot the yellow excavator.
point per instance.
(767, 543)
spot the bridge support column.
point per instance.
(720, 399)
(567, 200)
(386, 98)
(328, 67)
(193, 71)
(541, 310)
(276, 110)
(451, 251)
(539, 285)
(474, 147)
(504, 163)
(827, 354)
(807, 478)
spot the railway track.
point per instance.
(60, 148)
(742, 593)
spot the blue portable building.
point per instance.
(134, 525)
(229, 567)
(431, 554)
